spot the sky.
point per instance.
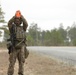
(48, 14)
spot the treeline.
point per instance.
(54, 37)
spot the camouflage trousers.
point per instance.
(16, 54)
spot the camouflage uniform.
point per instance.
(17, 53)
(21, 20)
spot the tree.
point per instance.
(72, 33)
(34, 33)
(56, 38)
(63, 32)
(47, 38)
(1, 15)
(2, 20)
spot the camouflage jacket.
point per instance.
(21, 20)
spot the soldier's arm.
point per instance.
(25, 24)
(10, 22)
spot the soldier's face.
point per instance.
(17, 21)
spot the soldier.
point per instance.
(18, 53)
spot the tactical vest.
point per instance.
(20, 33)
(20, 36)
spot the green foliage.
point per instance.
(30, 41)
(2, 21)
(71, 33)
(1, 15)
(56, 38)
(74, 42)
(48, 38)
(62, 32)
(34, 33)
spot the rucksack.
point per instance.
(17, 38)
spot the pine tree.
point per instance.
(2, 21)
(1, 15)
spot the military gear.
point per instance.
(20, 33)
(20, 36)
(11, 40)
(9, 43)
(19, 44)
(17, 36)
(22, 20)
(9, 46)
(26, 52)
(18, 39)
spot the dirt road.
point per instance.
(38, 65)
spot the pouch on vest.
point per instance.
(20, 36)
(20, 33)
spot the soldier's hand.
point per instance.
(22, 17)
